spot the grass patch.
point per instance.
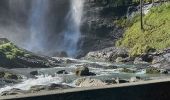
(10, 51)
(156, 35)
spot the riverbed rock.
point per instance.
(2, 74)
(83, 71)
(34, 73)
(153, 70)
(161, 59)
(128, 70)
(111, 81)
(38, 88)
(108, 54)
(9, 75)
(139, 60)
(62, 72)
(88, 82)
(124, 60)
(13, 91)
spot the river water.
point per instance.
(48, 75)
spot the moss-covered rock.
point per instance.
(9, 75)
(153, 70)
(12, 56)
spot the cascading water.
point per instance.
(43, 26)
(73, 33)
(37, 24)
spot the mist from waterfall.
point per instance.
(45, 27)
(37, 25)
(72, 33)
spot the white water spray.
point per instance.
(37, 23)
(73, 33)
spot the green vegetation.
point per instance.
(152, 70)
(124, 22)
(11, 51)
(156, 34)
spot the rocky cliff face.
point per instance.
(98, 30)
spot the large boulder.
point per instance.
(87, 82)
(108, 54)
(161, 59)
(83, 71)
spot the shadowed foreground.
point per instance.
(150, 90)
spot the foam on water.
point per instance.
(28, 83)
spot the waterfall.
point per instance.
(72, 33)
(37, 25)
(46, 27)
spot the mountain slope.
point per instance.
(156, 34)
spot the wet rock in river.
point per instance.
(34, 73)
(13, 91)
(62, 72)
(9, 75)
(153, 70)
(52, 86)
(128, 70)
(83, 71)
(111, 81)
(57, 86)
(88, 82)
